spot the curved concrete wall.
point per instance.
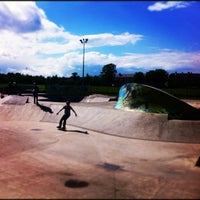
(132, 124)
(102, 117)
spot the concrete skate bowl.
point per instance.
(141, 112)
(102, 117)
(130, 124)
(18, 108)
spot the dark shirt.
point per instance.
(67, 109)
(35, 90)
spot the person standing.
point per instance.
(10, 88)
(35, 93)
(67, 108)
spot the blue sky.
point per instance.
(42, 37)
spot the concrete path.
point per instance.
(39, 161)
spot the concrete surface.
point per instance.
(39, 161)
(130, 124)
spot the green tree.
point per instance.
(157, 78)
(74, 79)
(108, 74)
(139, 77)
(74, 75)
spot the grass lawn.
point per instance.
(187, 93)
(111, 91)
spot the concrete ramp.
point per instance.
(134, 124)
(15, 100)
(104, 118)
(97, 98)
(20, 112)
(153, 100)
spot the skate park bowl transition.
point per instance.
(141, 112)
(38, 161)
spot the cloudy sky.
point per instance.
(43, 37)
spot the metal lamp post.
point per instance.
(83, 41)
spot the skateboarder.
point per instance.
(67, 108)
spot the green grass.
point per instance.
(187, 93)
(42, 87)
(106, 90)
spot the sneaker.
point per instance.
(58, 127)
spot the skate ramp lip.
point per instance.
(97, 98)
(104, 118)
(136, 125)
(14, 100)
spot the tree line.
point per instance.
(109, 77)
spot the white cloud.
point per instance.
(113, 40)
(32, 44)
(20, 17)
(159, 6)
(171, 60)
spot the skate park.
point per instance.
(125, 155)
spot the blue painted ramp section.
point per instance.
(150, 99)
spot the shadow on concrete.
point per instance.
(45, 108)
(78, 131)
(72, 183)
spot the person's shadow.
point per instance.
(77, 131)
(45, 108)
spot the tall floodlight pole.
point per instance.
(83, 41)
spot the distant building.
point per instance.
(185, 79)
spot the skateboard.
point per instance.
(61, 129)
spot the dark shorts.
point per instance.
(65, 116)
